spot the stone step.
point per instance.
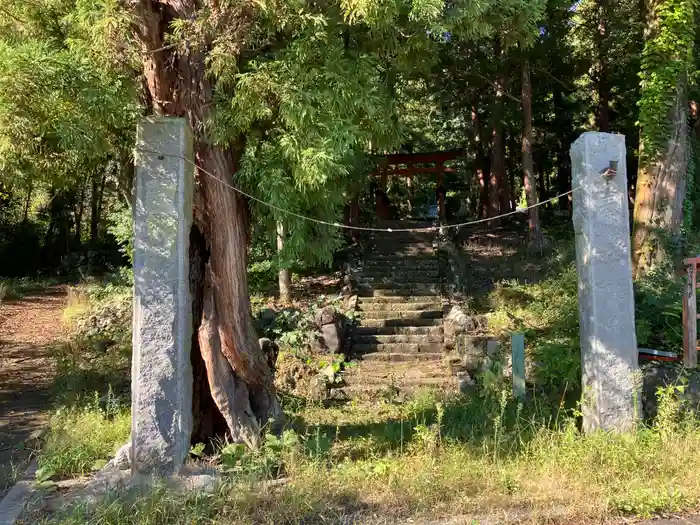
(382, 390)
(401, 274)
(394, 293)
(397, 285)
(403, 259)
(399, 330)
(417, 339)
(400, 306)
(405, 314)
(408, 272)
(389, 379)
(402, 357)
(399, 265)
(388, 253)
(398, 348)
(403, 299)
(409, 322)
(398, 281)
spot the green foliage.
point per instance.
(121, 227)
(266, 462)
(79, 438)
(659, 311)
(667, 61)
(548, 313)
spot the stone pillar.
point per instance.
(161, 372)
(606, 300)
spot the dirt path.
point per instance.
(27, 329)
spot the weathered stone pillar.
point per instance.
(161, 377)
(606, 300)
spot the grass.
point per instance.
(81, 440)
(486, 456)
(455, 458)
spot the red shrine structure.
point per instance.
(409, 165)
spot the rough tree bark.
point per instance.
(241, 384)
(660, 192)
(533, 216)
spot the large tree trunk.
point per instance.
(240, 385)
(660, 192)
(533, 215)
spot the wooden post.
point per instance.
(518, 351)
(690, 316)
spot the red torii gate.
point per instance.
(389, 165)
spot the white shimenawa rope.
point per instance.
(357, 228)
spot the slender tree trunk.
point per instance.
(498, 185)
(563, 164)
(27, 202)
(242, 387)
(602, 86)
(94, 215)
(285, 276)
(100, 198)
(660, 192)
(533, 216)
(79, 215)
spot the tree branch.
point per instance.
(495, 86)
(554, 78)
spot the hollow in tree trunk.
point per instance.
(226, 353)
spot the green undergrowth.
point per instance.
(83, 439)
(96, 358)
(434, 457)
(546, 310)
(12, 289)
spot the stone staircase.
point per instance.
(400, 342)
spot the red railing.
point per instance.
(690, 313)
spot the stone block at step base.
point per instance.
(332, 336)
(473, 352)
(324, 316)
(466, 323)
